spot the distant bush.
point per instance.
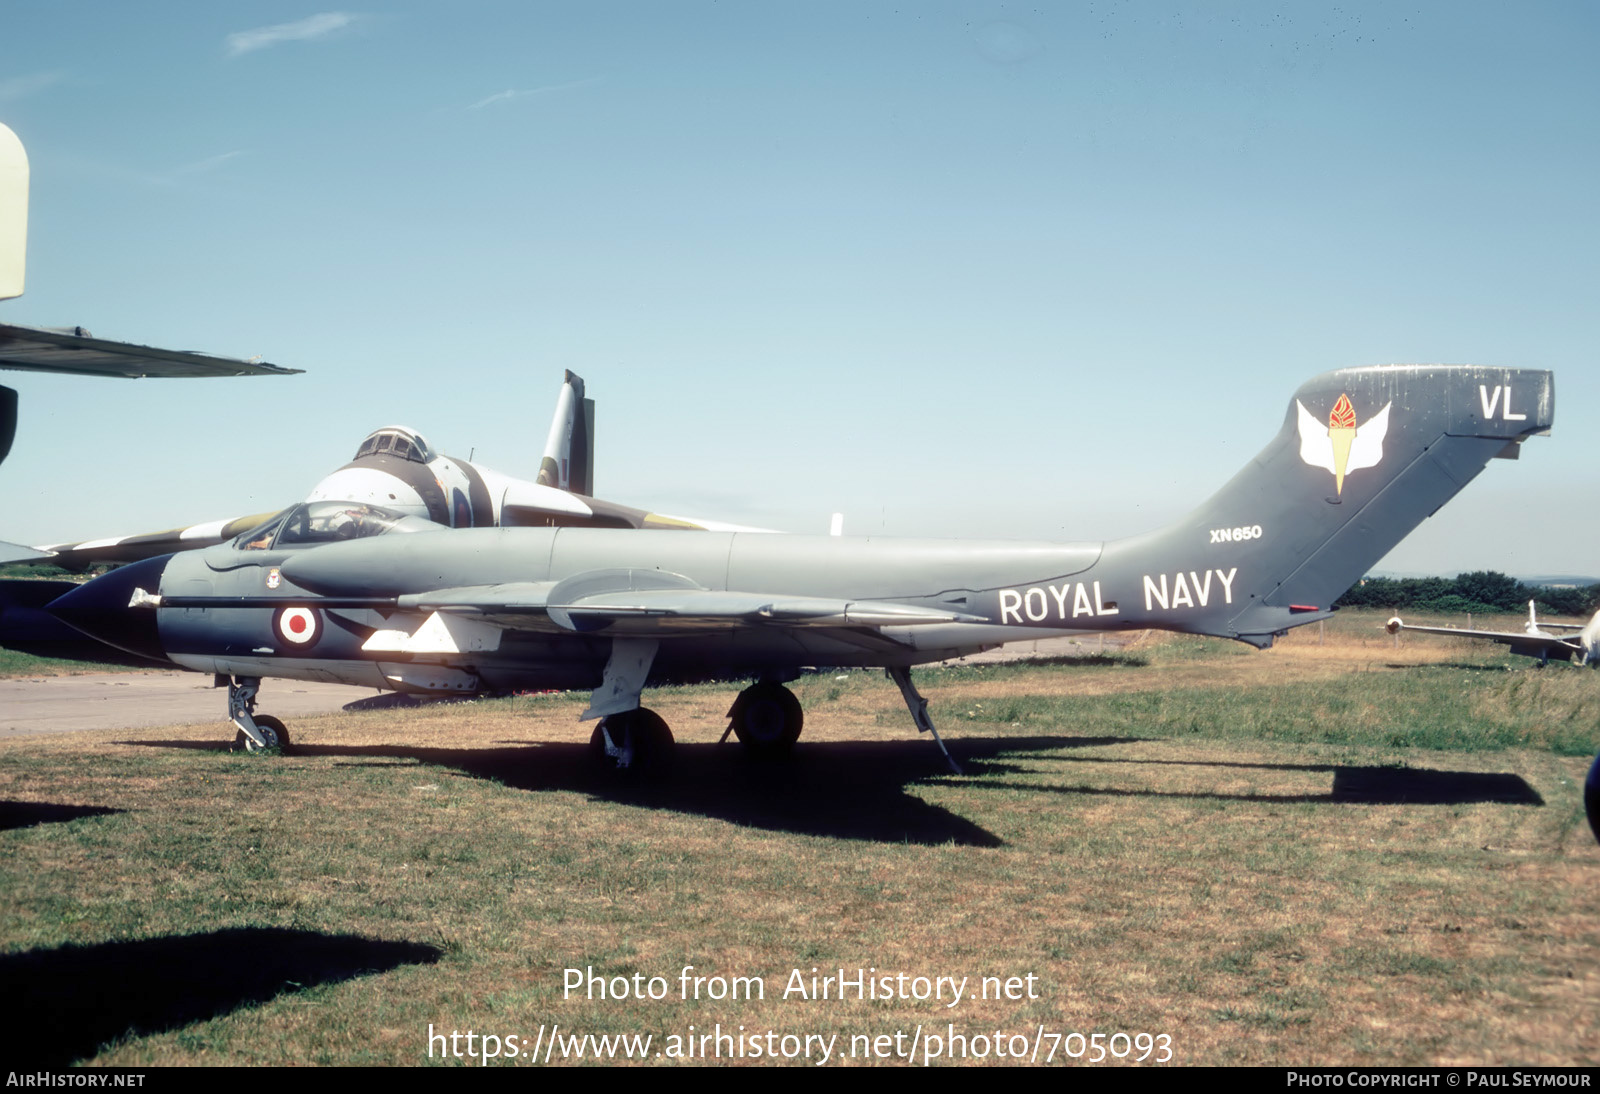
(1477, 592)
(1576, 600)
(1459, 604)
(1495, 589)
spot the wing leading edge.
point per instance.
(75, 350)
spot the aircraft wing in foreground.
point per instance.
(1579, 642)
(73, 349)
(359, 598)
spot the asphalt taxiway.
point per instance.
(128, 700)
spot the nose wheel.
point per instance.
(274, 735)
(257, 732)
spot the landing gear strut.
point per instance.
(766, 717)
(257, 732)
(630, 738)
(919, 710)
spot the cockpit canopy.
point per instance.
(396, 440)
(315, 522)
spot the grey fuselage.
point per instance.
(958, 577)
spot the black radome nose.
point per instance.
(99, 608)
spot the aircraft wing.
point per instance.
(75, 350)
(656, 603)
(1529, 645)
(533, 505)
(85, 553)
(16, 552)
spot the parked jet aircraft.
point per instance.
(341, 592)
(1578, 642)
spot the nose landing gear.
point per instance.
(257, 732)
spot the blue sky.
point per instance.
(952, 269)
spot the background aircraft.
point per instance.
(1573, 642)
(334, 594)
(74, 349)
(395, 467)
(67, 350)
(1578, 642)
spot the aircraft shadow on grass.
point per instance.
(1351, 785)
(15, 814)
(1469, 666)
(70, 1001)
(861, 790)
(837, 789)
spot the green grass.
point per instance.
(1561, 715)
(13, 663)
(1270, 860)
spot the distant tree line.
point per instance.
(1479, 591)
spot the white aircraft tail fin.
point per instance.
(13, 214)
(568, 460)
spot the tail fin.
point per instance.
(1364, 455)
(568, 460)
(13, 254)
(13, 214)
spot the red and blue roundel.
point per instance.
(299, 627)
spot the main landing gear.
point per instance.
(257, 732)
(634, 741)
(766, 716)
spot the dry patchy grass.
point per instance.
(1319, 854)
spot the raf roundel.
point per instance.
(297, 626)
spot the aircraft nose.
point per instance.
(99, 608)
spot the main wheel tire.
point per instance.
(645, 732)
(275, 732)
(1591, 797)
(767, 719)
